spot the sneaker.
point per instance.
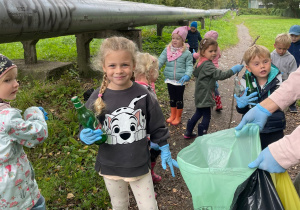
(293, 109)
(189, 136)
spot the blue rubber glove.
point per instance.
(237, 68)
(245, 100)
(90, 136)
(167, 159)
(184, 79)
(216, 85)
(266, 161)
(257, 115)
(154, 146)
(193, 51)
(44, 112)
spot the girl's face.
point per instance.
(211, 52)
(177, 41)
(119, 66)
(9, 85)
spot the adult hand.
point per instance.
(44, 112)
(266, 161)
(237, 68)
(90, 136)
(257, 115)
(154, 146)
(184, 79)
(167, 159)
(245, 100)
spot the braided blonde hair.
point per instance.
(147, 65)
(108, 45)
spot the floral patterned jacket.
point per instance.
(18, 188)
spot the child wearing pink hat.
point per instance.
(214, 35)
(178, 71)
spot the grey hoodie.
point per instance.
(286, 63)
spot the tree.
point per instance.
(288, 4)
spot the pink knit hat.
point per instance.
(181, 31)
(212, 34)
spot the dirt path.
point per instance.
(173, 192)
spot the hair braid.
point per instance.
(99, 104)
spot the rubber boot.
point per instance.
(172, 115)
(189, 130)
(201, 130)
(219, 106)
(178, 117)
(155, 178)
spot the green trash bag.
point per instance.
(214, 165)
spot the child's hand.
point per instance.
(90, 136)
(167, 159)
(44, 112)
(237, 68)
(245, 100)
(184, 79)
(154, 146)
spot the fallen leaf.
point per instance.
(70, 196)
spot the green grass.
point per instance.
(267, 27)
(62, 164)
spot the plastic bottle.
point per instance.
(87, 118)
(238, 88)
(251, 87)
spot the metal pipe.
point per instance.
(22, 20)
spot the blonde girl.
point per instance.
(206, 75)
(127, 112)
(18, 187)
(178, 71)
(146, 73)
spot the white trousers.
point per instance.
(142, 189)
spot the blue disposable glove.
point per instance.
(216, 85)
(266, 161)
(167, 159)
(237, 68)
(184, 79)
(245, 100)
(193, 51)
(257, 115)
(44, 112)
(90, 136)
(154, 146)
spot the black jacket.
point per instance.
(276, 121)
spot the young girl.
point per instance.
(206, 75)
(214, 35)
(18, 188)
(178, 70)
(128, 112)
(146, 73)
